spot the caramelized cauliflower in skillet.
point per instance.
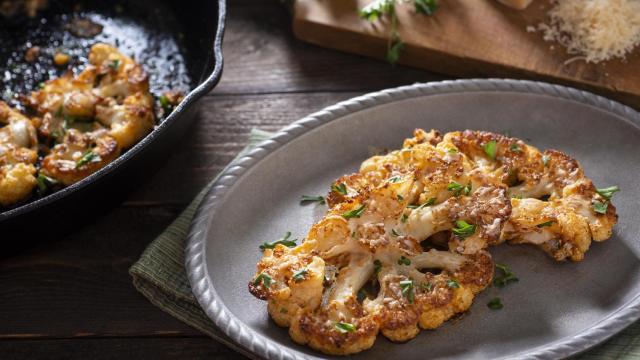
(403, 244)
(18, 155)
(93, 116)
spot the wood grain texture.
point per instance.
(467, 38)
(130, 348)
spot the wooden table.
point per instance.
(72, 297)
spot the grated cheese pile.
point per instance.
(597, 30)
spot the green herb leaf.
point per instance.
(495, 304)
(463, 229)
(404, 218)
(115, 64)
(309, 199)
(429, 202)
(426, 7)
(506, 276)
(300, 275)
(607, 193)
(400, 197)
(394, 51)
(490, 149)
(515, 148)
(167, 107)
(377, 266)
(339, 188)
(44, 183)
(453, 284)
(458, 189)
(377, 9)
(284, 241)
(546, 223)
(395, 179)
(394, 232)
(452, 150)
(88, 157)
(355, 213)
(344, 327)
(404, 261)
(600, 207)
(265, 279)
(407, 289)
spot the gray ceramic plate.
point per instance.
(556, 310)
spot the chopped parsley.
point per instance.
(344, 327)
(404, 261)
(491, 149)
(495, 304)
(607, 193)
(394, 232)
(300, 275)
(339, 188)
(545, 224)
(88, 157)
(452, 150)
(453, 284)
(115, 64)
(44, 183)
(400, 197)
(265, 279)
(407, 289)
(355, 213)
(600, 207)
(395, 179)
(429, 202)
(515, 148)
(167, 107)
(305, 199)
(463, 229)
(284, 241)
(404, 218)
(377, 266)
(458, 189)
(506, 276)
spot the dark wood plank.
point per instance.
(221, 131)
(136, 348)
(78, 285)
(262, 56)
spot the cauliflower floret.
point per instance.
(18, 145)
(112, 92)
(79, 155)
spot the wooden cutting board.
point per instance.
(470, 38)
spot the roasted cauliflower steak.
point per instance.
(403, 246)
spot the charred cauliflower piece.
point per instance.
(554, 205)
(79, 155)
(93, 116)
(18, 155)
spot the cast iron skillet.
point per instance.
(178, 43)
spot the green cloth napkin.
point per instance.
(160, 276)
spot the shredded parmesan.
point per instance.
(597, 30)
